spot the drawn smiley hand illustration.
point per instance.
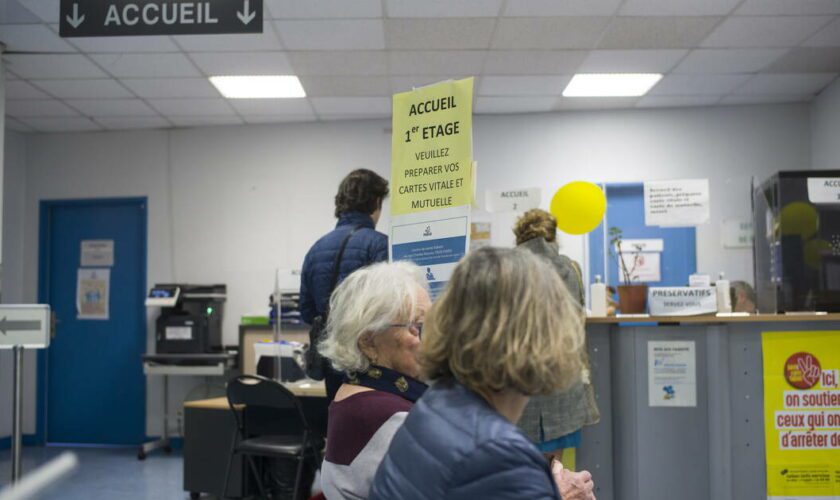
(810, 370)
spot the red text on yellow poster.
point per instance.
(802, 414)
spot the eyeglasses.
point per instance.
(413, 327)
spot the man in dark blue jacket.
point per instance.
(358, 205)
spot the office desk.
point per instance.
(209, 432)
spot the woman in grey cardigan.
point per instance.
(554, 422)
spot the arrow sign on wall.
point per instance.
(96, 18)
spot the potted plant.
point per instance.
(632, 295)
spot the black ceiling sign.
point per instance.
(159, 17)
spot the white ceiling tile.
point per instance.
(406, 83)
(19, 89)
(788, 7)
(32, 38)
(523, 85)
(443, 8)
(702, 61)
(631, 61)
(133, 122)
(764, 31)
(450, 33)
(84, 89)
(11, 12)
(786, 84)
(267, 40)
(326, 86)
(549, 32)
(677, 7)
(352, 105)
(268, 119)
(533, 62)
(575, 103)
(146, 65)
(765, 99)
(344, 63)
(697, 84)
(441, 62)
(657, 32)
(8, 75)
(150, 88)
(62, 124)
(544, 8)
(674, 101)
(277, 107)
(26, 108)
(323, 9)
(242, 63)
(808, 60)
(343, 117)
(497, 105)
(124, 44)
(192, 107)
(46, 10)
(200, 121)
(826, 37)
(52, 66)
(111, 107)
(16, 125)
(332, 34)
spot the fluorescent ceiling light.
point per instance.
(611, 84)
(258, 87)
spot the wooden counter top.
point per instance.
(305, 389)
(709, 319)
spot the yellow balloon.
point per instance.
(578, 207)
(800, 218)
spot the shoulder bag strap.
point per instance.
(339, 256)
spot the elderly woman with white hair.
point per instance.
(373, 335)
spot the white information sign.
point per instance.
(512, 200)
(682, 300)
(644, 267)
(97, 253)
(672, 373)
(26, 325)
(737, 233)
(676, 203)
(643, 245)
(824, 190)
(93, 289)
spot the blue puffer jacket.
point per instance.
(455, 446)
(365, 247)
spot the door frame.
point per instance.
(45, 210)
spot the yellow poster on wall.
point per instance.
(431, 148)
(802, 414)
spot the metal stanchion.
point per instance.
(17, 406)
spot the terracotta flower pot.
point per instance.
(632, 299)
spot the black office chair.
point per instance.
(259, 393)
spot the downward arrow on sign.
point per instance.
(76, 20)
(246, 15)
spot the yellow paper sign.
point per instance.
(802, 414)
(431, 149)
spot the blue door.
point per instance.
(626, 210)
(95, 387)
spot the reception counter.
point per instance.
(712, 450)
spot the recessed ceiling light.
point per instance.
(258, 87)
(611, 84)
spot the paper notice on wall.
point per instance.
(672, 373)
(480, 235)
(737, 233)
(512, 200)
(643, 267)
(93, 290)
(802, 414)
(677, 203)
(97, 253)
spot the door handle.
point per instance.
(54, 322)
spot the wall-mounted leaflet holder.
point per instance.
(22, 327)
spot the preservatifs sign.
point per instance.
(802, 414)
(159, 17)
(432, 178)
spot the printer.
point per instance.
(190, 320)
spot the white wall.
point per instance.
(825, 128)
(231, 204)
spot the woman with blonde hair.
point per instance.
(504, 329)
(554, 421)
